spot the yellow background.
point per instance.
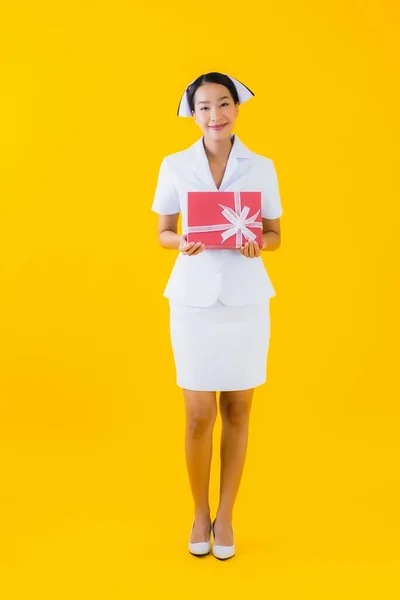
(94, 499)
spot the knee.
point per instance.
(236, 414)
(200, 422)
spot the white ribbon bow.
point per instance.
(240, 223)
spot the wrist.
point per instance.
(264, 242)
(271, 240)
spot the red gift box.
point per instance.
(224, 219)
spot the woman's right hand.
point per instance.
(190, 249)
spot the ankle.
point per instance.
(202, 515)
(224, 518)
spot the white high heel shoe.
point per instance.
(200, 548)
(222, 552)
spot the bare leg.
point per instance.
(201, 413)
(235, 412)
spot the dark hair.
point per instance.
(211, 78)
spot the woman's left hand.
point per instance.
(250, 250)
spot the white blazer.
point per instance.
(224, 275)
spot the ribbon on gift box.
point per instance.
(239, 223)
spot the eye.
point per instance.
(203, 107)
(225, 104)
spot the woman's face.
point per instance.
(215, 111)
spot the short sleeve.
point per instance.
(166, 199)
(271, 201)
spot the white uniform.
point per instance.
(219, 299)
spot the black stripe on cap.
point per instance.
(252, 93)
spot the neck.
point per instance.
(218, 151)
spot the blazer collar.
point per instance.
(239, 160)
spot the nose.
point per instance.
(215, 114)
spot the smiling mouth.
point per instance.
(218, 126)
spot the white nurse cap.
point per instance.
(243, 92)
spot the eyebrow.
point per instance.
(219, 100)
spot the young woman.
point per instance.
(219, 299)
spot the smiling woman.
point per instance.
(219, 299)
(216, 113)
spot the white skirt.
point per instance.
(220, 348)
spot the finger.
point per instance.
(256, 250)
(251, 250)
(187, 247)
(195, 248)
(247, 249)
